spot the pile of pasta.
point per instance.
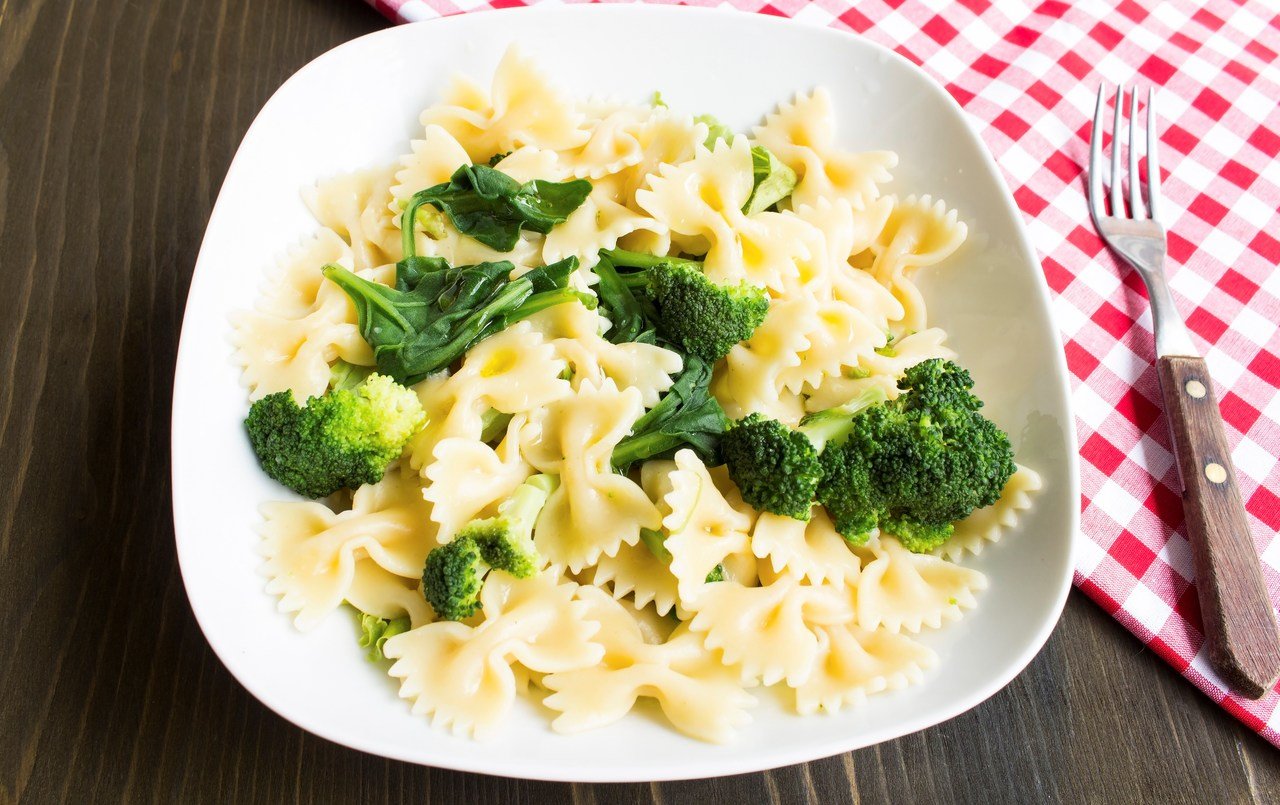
(607, 622)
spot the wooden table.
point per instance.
(117, 121)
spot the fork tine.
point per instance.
(1135, 187)
(1095, 159)
(1117, 195)
(1153, 164)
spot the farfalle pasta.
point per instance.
(594, 511)
(565, 486)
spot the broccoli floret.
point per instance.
(452, 579)
(506, 541)
(704, 318)
(914, 465)
(454, 573)
(341, 440)
(777, 469)
(699, 316)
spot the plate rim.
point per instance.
(713, 767)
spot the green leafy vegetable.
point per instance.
(435, 315)
(686, 416)
(655, 541)
(375, 631)
(491, 207)
(772, 181)
(631, 317)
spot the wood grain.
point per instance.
(117, 121)
(1239, 624)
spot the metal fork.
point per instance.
(1239, 622)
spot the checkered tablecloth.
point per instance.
(1027, 74)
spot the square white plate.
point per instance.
(357, 106)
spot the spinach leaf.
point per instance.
(432, 318)
(686, 416)
(491, 207)
(631, 315)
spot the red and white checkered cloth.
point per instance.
(1027, 74)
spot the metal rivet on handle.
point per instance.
(1196, 389)
(1216, 473)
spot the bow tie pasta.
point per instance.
(562, 522)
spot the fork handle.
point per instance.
(1239, 621)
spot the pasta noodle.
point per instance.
(903, 590)
(316, 558)
(653, 580)
(594, 510)
(699, 694)
(463, 675)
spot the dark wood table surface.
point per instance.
(117, 121)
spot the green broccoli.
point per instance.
(454, 573)
(777, 469)
(694, 313)
(341, 440)
(916, 464)
(452, 578)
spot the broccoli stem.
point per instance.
(626, 259)
(493, 424)
(834, 424)
(524, 505)
(343, 375)
(634, 281)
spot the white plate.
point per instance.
(357, 106)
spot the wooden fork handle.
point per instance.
(1239, 621)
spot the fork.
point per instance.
(1239, 622)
